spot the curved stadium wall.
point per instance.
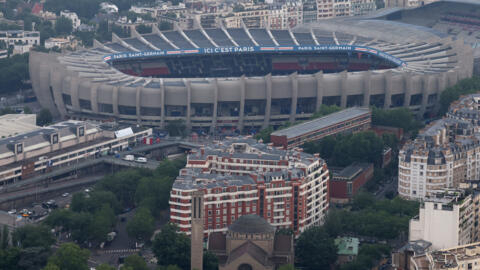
(86, 84)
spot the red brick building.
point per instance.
(239, 177)
(346, 182)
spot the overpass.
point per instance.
(83, 173)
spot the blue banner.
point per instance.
(256, 49)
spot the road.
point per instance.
(392, 186)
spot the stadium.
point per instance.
(245, 79)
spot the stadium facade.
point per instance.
(251, 78)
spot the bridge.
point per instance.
(83, 173)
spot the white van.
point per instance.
(141, 160)
(129, 158)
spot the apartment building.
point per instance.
(21, 41)
(337, 8)
(240, 176)
(466, 108)
(460, 257)
(444, 154)
(32, 150)
(446, 220)
(350, 120)
(362, 7)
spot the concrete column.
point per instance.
(94, 97)
(138, 92)
(74, 93)
(242, 103)
(320, 89)
(293, 109)
(343, 88)
(388, 90)
(408, 88)
(115, 100)
(268, 106)
(56, 81)
(367, 87)
(215, 105)
(162, 104)
(426, 86)
(442, 84)
(189, 101)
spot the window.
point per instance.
(19, 148)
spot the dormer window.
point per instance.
(19, 148)
(54, 138)
(81, 131)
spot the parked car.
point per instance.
(141, 160)
(12, 212)
(65, 194)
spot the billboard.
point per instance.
(256, 49)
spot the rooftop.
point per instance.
(251, 224)
(14, 124)
(347, 245)
(200, 172)
(321, 122)
(352, 170)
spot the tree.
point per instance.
(315, 250)
(154, 193)
(135, 262)
(326, 110)
(210, 261)
(27, 110)
(264, 134)
(4, 237)
(171, 247)
(463, 87)
(105, 267)
(176, 128)
(70, 256)
(144, 29)
(13, 72)
(63, 26)
(33, 236)
(399, 117)
(142, 225)
(44, 117)
(9, 258)
(51, 266)
(163, 26)
(102, 223)
(33, 258)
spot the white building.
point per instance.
(61, 43)
(73, 17)
(445, 154)
(20, 41)
(446, 220)
(453, 258)
(108, 8)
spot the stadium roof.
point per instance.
(320, 123)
